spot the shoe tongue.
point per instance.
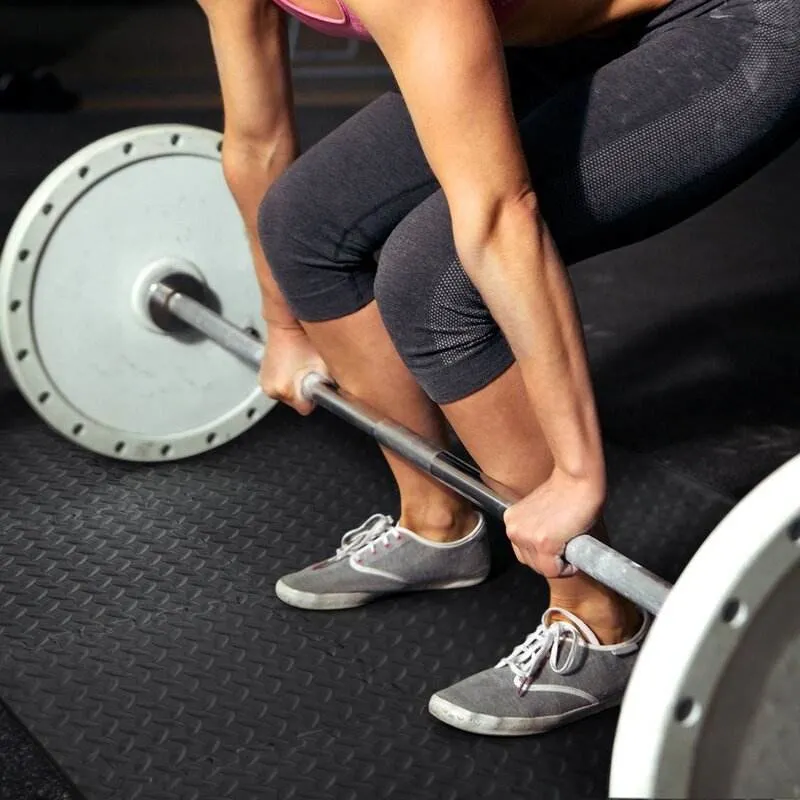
(568, 618)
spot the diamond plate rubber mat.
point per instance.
(142, 644)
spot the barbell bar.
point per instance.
(589, 555)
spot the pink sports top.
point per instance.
(351, 25)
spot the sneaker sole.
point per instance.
(487, 725)
(337, 601)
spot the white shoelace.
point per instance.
(378, 529)
(548, 641)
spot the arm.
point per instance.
(447, 59)
(251, 51)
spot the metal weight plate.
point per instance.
(712, 708)
(124, 211)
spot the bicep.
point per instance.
(447, 58)
(251, 51)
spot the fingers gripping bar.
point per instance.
(584, 552)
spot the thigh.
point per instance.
(698, 105)
(346, 193)
(323, 220)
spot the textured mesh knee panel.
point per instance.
(458, 320)
(434, 314)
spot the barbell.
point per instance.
(161, 367)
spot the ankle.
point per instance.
(439, 523)
(611, 620)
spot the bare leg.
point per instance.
(495, 424)
(497, 427)
(363, 360)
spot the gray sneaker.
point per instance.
(380, 558)
(560, 673)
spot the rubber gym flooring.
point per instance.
(143, 653)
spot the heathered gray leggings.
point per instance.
(625, 135)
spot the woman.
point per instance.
(524, 134)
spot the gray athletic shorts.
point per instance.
(625, 135)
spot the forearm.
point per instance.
(249, 172)
(521, 277)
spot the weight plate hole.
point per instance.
(687, 712)
(166, 450)
(734, 613)
(211, 438)
(794, 532)
(219, 146)
(251, 412)
(44, 397)
(84, 171)
(176, 139)
(253, 332)
(119, 447)
(77, 429)
(47, 208)
(22, 355)
(15, 305)
(127, 149)
(23, 255)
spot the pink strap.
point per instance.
(351, 25)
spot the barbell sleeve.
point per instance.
(203, 319)
(584, 552)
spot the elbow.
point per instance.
(251, 163)
(495, 229)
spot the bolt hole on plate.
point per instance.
(146, 394)
(687, 712)
(734, 613)
(793, 532)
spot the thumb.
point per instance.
(303, 401)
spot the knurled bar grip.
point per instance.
(589, 555)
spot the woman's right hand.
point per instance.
(288, 357)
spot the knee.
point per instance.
(278, 215)
(412, 262)
(433, 313)
(399, 289)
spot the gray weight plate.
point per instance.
(712, 708)
(125, 210)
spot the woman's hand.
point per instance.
(540, 525)
(288, 358)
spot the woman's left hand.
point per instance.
(540, 525)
